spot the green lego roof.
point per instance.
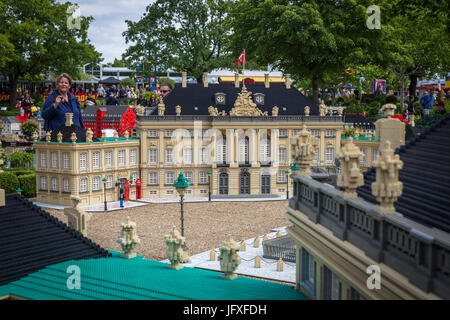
(116, 278)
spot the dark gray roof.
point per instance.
(358, 119)
(425, 177)
(112, 112)
(31, 239)
(195, 99)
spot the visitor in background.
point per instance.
(426, 103)
(142, 101)
(153, 102)
(112, 100)
(164, 90)
(27, 103)
(123, 97)
(90, 101)
(101, 95)
(60, 102)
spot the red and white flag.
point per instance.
(242, 59)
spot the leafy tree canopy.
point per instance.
(45, 39)
(181, 35)
(306, 38)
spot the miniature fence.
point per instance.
(282, 247)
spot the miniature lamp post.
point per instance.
(181, 184)
(209, 182)
(104, 189)
(120, 192)
(287, 184)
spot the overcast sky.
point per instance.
(105, 32)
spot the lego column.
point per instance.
(322, 146)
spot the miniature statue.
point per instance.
(59, 136)
(303, 151)
(174, 242)
(275, 111)
(116, 135)
(73, 137)
(307, 110)
(322, 109)
(229, 259)
(89, 135)
(161, 108)
(128, 239)
(351, 177)
(178, 110)
(48, 136)
(387, 188)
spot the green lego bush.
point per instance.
(27, 183)
(9, 182)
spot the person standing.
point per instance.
(427, 102)
(60, 102)
(101, 95)
(112, 100)
(164, 90)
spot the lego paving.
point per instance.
(117, 278)
(268, 268)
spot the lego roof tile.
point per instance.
(195, 99)
(31, 238)
(425, 177)
(118, 278)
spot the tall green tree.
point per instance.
(415, 42)
(306, 38)
(183, 35)
(46, 39)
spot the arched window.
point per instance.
(244, 150)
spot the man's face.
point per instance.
(165, 90)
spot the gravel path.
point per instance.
(206, 224)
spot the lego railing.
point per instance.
(420, 253)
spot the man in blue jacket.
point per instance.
(427, 102)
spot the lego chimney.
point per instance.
(266, 80)
(236, 80)
(205, 79)
(69, 117)
(184, 80)
(287, 80)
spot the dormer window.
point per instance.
(220, 98)
(259, 98)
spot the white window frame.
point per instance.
(54, 185)
(374, 155)
(43, 183)
(96, 160)
(169, 177)
(283, 133)
(109, 181)
(109, 158)
(329, 154)
(364, 158)
(152, 133)
(169, 155)
(168, 133)
(317, 158)
(84, 185)
(65, 163)
(153, 178)
(66, 185)
(152, 154)
(122, 157)
(42, 159)
(203, 177)
(133, 156)
(190, 176)
(96, 183)
(83, 160)
(282, 155)
(204, 155)
(188, 156)
(282, 176)
(330, 133)
(54, 159)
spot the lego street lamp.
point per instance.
(287, 184)
(181, 184)
(209, 182)
(104, 189)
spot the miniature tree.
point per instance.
(128, 239)
(387, 188)
(174, 241)
(28, 129)
(229, 259)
